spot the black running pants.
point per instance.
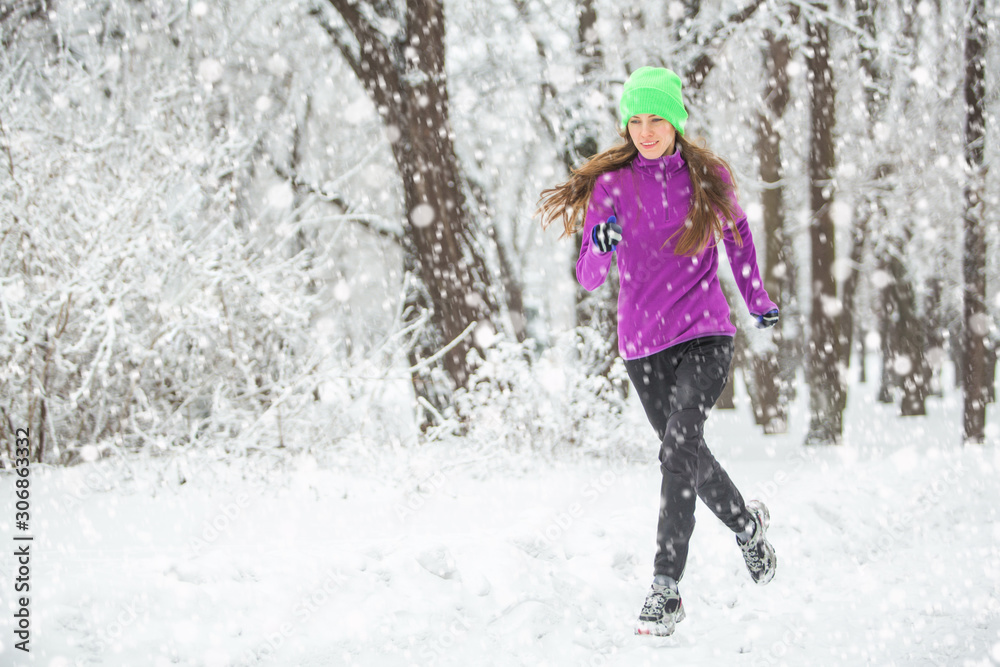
(677, 388)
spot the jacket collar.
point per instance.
(667, 164)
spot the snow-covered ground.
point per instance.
(888, 547)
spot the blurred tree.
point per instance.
(904, 326)
(772, 382)
(142, 308)
(976, 319)
(15, 14)
(398, 53)
(875, 85)
(827, 395)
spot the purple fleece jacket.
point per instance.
(665, 299)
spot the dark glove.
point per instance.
(768, 319)
(607, 235)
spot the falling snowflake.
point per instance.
(280, 195)
(485, 335)
(342, 291)
(422, 215)
(210, 70)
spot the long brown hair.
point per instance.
(710, 196)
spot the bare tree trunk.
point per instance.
(405, 78)
(824, 356)
(974, 268)
(887, 316)
(769, 381)
(908, 363)
(862, 360)
(874, 84)
(591, 56)
(936, 336)
(859, 239)
(991, 372)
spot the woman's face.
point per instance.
(652, 135)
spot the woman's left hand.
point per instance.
(768, 319)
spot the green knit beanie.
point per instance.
(657, 91)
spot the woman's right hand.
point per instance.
(606, 235)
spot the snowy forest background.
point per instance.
(307, 383)
(262, 224)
